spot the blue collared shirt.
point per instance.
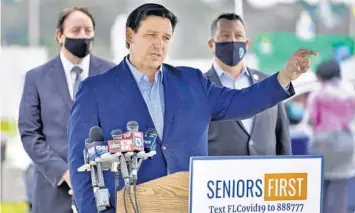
(243, 81)
(153, 95)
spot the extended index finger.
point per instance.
(305, 52)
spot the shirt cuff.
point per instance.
(287, 89)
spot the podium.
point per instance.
(234, 184)
(166, 194)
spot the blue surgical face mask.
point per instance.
(230, 52)
(296, 111)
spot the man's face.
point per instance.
(149, 45)
(76, 25)
(228, 30)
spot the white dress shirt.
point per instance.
(70, 76)
(243, 81)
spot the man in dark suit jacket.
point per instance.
(267, 132)
(45, 108)
(177, 101)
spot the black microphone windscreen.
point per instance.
(132, 125)
(88, 140)
(116, 132)
(96, 134)
(152, 131)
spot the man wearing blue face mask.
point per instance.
(266, 133)
(48, 95)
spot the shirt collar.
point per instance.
(221, 72)
(139, 76)
(68, 65)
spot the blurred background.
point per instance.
(276, 28)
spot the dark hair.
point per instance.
(142, 12)
(66, 12)
(228, 16)
(328, 70)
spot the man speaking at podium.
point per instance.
(177, 101)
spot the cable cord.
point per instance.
(135, 196)
(117, 183)
(130, 199)
(124, 200)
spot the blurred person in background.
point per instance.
(331, 111)
(46, 104)
(267, 133)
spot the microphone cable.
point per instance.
(124, 200)
(130, 199)
(135, 195)
(117, 183)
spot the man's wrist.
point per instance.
(283, 80)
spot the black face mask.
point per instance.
(80, 47)
(231, 52)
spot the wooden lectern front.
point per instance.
(168, 194)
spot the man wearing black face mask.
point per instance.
(45, 108)
(264, 134)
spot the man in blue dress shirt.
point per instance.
(177, 101)
(263, 134)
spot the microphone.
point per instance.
(85, 151)
(138, 147)
(115, 155)
(150, 140)
(96, 150)
(114, 147)
(97, 147)
(92, 168)
(132, 126)
(134, 134)
(86, 166)
(117, 134)
(118, 149)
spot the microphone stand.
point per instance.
(116, 171)
(134, 177)
(102, 194)
(137, 161)
(124, 159)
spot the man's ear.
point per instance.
(59, 37)
(211, 45)
(247, 43)
(129, 35)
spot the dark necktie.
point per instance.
(77, 71)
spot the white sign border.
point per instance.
(256, 157)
